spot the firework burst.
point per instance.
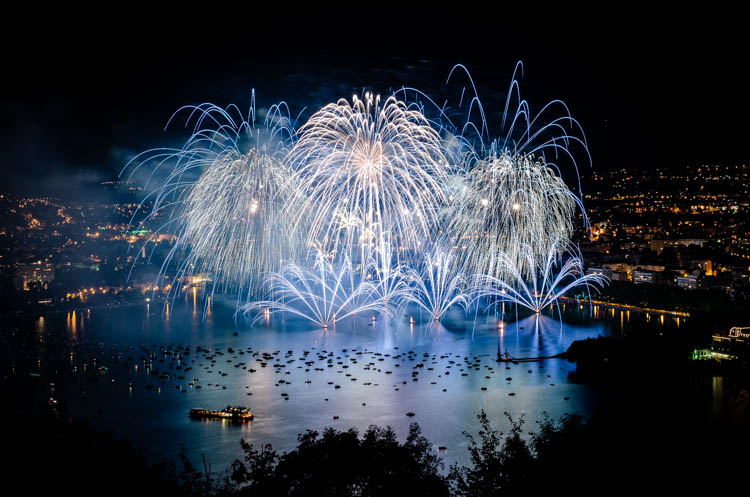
(235, 227)
(323, 295)
(549, 280)
(367, 168)
(509, 205)
(437, 285)
(222, 205)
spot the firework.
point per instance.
(509, 205)
(549, 280)
(396, 209)
(506, 191)
(234, 223)
(365, 169)
(324, 295)
(389, 277)
(222, 206)
(437, 285)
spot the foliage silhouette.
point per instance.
(341, 463)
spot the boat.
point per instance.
(232, 413)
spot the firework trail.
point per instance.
(551, 133)
(367, 168)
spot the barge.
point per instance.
(232, 413)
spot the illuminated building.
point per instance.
(26, 275)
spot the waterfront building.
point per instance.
(620, 276)
(27, 275)
(734, 344)
(687, 282)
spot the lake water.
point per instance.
(374, 365)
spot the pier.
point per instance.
(627, 307)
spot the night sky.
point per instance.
(75, 111)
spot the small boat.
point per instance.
(229, 412)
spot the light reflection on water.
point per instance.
(446, 399)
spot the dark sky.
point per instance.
(76, 106)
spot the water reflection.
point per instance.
(40, 325)
(717, 397)
(72, 324)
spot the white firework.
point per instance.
(437, 285)
(389, 278)
(365, 169)
(373, 187)
(222, 202)
(326, 294)
(235, 227)
(550, 278)
(506, 205)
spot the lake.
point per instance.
(110, 365)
